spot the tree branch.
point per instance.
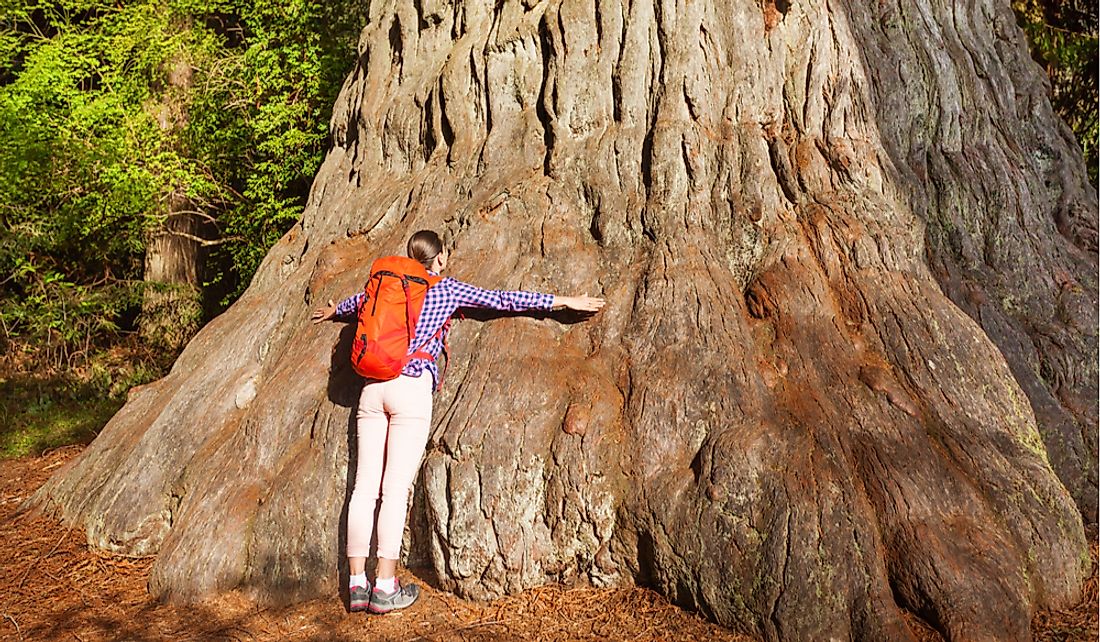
(201, 241)
(198, 213)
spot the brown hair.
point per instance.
(424, 246)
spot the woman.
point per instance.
(394, 419)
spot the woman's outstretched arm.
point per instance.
(466, 295)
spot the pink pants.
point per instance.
(393, 422)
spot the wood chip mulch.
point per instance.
(56, 588)
(1075, 624)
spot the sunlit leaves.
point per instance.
(95, 139)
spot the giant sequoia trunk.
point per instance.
(848, 355)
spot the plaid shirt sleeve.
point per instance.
(451, 294)
(467, 295)
(349, 306)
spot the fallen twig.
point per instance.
(17, 629)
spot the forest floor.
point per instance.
(56, 588)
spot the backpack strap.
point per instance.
(421, 353)
(404, 285)
(445, 331)
(441, 333)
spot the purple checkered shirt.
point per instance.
(439, 304)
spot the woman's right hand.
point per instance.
(582, 303)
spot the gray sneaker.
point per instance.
(359, 599)
(382, 602)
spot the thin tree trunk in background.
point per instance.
(171, 303)
(847, 367)
(171, 310)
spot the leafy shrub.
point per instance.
(98, 133)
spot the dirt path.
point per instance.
(56, 589)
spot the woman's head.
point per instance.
(427, 248)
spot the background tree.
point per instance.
(150, 153)
(139, 137)
(846, 252)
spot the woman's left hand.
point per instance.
(325, 313)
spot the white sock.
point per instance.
(386, 585)
(358, 580)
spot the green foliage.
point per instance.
(260, 120)
(83, 168)
(98, 134)
(1063, 38)
(108, 112)
(65, 318)
(46, 410)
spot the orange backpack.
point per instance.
(394, 297)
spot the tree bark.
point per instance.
(849, 257)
